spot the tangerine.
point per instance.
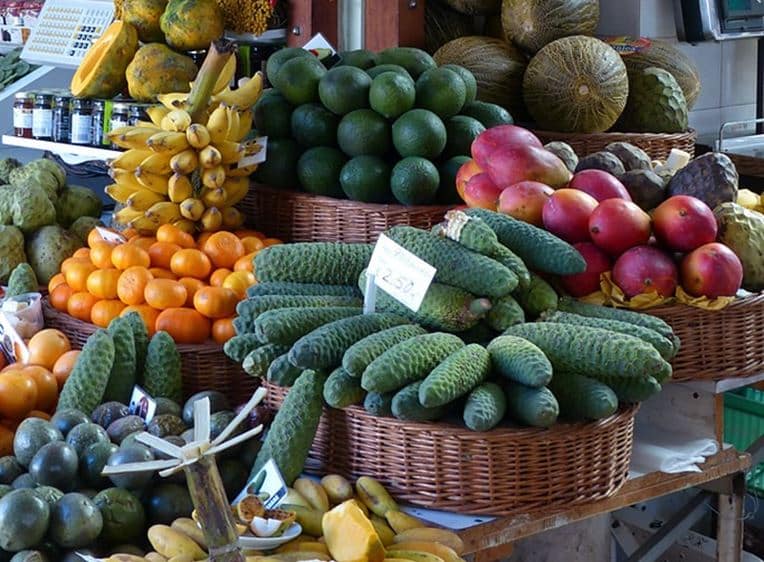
(191, 263)
(132, 283)
(80, 304)
(223, 330)
(161, 253)
(174, 235)
(46, 346)
(129, 255)
(104, 311)
(223, 248)
(165, 293)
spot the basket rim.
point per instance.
(747, 300)
(689, 133)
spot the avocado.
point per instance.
(30, 436)
(273, 115)
(131, 480)
(75, 521)
(415, 181)
(366, 179)
(5, 489)
(442, 91)
(298, 79)
(234, 474)
(314, 125)
(646, 188)
(277, 60)
(605, 161)
(461, 130)
(168, 502)
(124, 519)
(218, 402)
(280, 168)
(359, 58)
(55, 464)
(24, 520)
(489, 114)
(165, 425)
(84, 435)
(382, 68)
(10, 469)
(319, 171)
(415, 61)
(30, 556)
(92, 462)
(344, 89)
(364, 132)
(24, 481)
(167, 406)
(564, 152)
(447, 194)
(65, 420)
(109, 412)
(49, 494)
(123, 427)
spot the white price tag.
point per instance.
(319, 45)
(12, 345)
(254, 152)
(110, 237)
(142, 404)
(267, 484)
(399, 273)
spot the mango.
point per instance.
(299, 556)
(401, 522)
(430, 534)
(303, 546)
(188, 527)
(386, 534)
(313, 492)
(375, 496)
(155, 557)
(414, 556)
(293, 497)
(350, 536)
(309, 519)
(169, 543)
(440, 550)
(337, 488)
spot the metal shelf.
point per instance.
(70, 152)
(24, 81)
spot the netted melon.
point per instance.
(498, 68)
(532, 25)
(576, 84)
(475, 7)
(101, 73)
(443, 24)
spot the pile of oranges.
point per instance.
(188, 288)
(31, 389)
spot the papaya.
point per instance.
(189, 25)
(157, 69)
(101, 73)
(144, 16)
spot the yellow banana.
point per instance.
(179, 188)
(246, 118)
(130, 159)
(217, 124)
(198, 136)
(132, 137)
(120, 192)
(216, 197)
(210, 156)
(236, 189)
(232, 218)
(186, 226)
(164, 211)
(145, 224)
(213, 177)
(168, 141)
(175, 100)
(184, 162)
(144, 199)
(192, 209)
(176, 120)
(158, 163)
(153, 182)
(233, 122)
(245, 96)
(230, 152)
(156, 112)
(124, 216)
(245, 171)
(126, 178)
(212, 220)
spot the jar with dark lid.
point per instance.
(98, 134)
(42, 117)
(138, 113)
(82, 122)
(197, 56)
(62, 117)
(120, 117)
(23, 107)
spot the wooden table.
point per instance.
(723, 474)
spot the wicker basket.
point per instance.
(302, 217)
(717, 344)
(657, 145)
(502, 472)
(205, 367)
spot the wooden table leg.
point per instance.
(495, 553)
(729, 525)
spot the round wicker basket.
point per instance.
(303, 217)
(657, 145)
(205, 366)
(501, 472)
(717, 344)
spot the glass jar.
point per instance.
(23, 106)
(82, 122)
(62, 118)
(42, 117)
(137, 113)
(98, 134)
(197, 56)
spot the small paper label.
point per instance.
(13, 346)
(142, 404)
(110, 237)
(267, 484)
(254, 152)
(628, 45)
(319, 46)
(399, 273)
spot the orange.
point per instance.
(202, 238)
(82, 253)
(77, 275)
(147, 314)
(132, 283)
(245, 232)
(223, 248)
(251, 244)
(18, 394)
(129, 233)
(38, 414)
(80, 304)
(245, 263)
(162, 273)
(191, 263)
(271, 242)
(94, 236)
(100, 255)
(128, 255)
(218, 276)
(144, 242)
(192, 285)
(64, 366)
(174, 235)
(47, 387)
(6, 441)
(102, 283)
(215, 302)
(185, 325)
(46, 346)
(161, 253)
(165, 293)
(68, 263)
(103, 312)
(223, 330)
(239, 282)
(59, 297)
(55, 281)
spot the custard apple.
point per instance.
(564, 152)
(645, 187)
(47, 248)
(632, 157)
(6, 197)
(75, 202)
(712, 178)
(743, 231)
(38, 179)
(50, 166)
(11, 251)
(31, 208)
(6, 166)
(656, 103)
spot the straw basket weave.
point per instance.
(657, 145)
(717, 344)
(502, 472)
(205, 366)
(303, 217)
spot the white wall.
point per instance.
(727, 69)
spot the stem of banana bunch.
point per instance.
(217, 56)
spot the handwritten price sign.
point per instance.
(399, 273)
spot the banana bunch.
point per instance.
(184, 173)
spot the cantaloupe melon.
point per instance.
(576, 84)
(532, 25)
(443, 24)
(475, 7)
(498, 68)
(101, 73)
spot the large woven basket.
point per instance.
(303, 217)
(205, 366)
(502, 472)
(657, 145)
(721, 344)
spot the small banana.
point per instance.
(185, 225)
(230, 152)
(245, 96)
(156, 112)
(175, 100)
(132, 137)
(179, 188)
(216, 197)
(246, 119)
(126, 178)
(236, 189)
(217, 124)
(177, 120)
(145, 224)
(130, 159)
(124, 216)
(168, 141)
(212, 219)
(158, 163)
(184, 162)
(120, 192)
(213, 177)
(144, 199)
(198, 136)
(164, 211)
(192, 209)
(210, 156)
(154, 182)
(233, 123)
(232, 218)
